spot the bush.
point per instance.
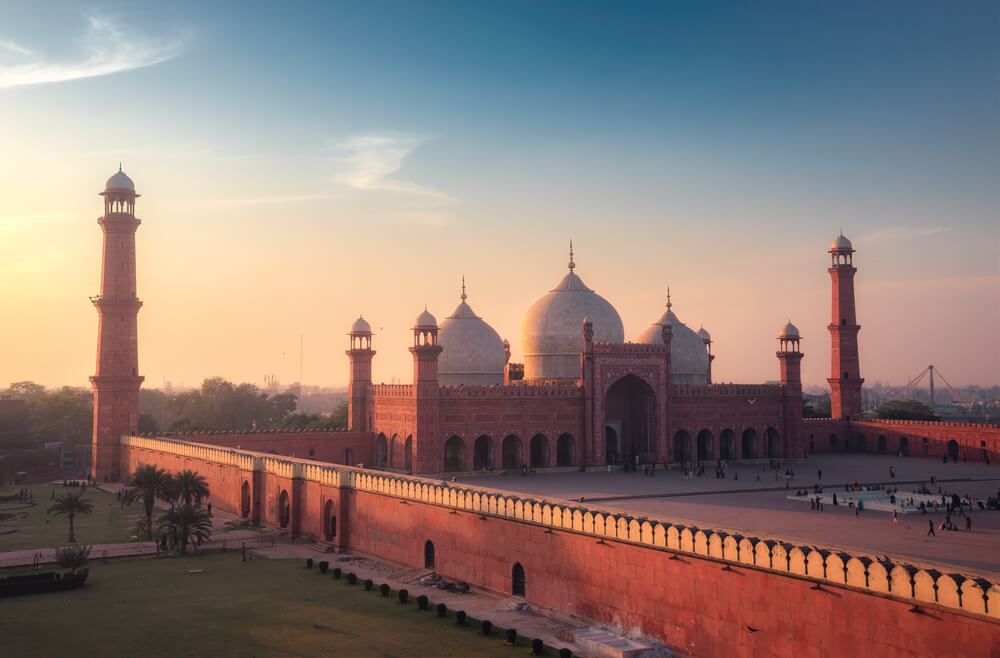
(422, 602)
(442, 610)
(565, 653)
(511, 636)
(460, 617)
(403, 595)
(487, 627)
(323, 566)
(384, 589)
(352, 578)
(369, 584)
(309, 563)
(537, 647)
(72, 557)
(337, 572)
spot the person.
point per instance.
(861, 504)
(968, 523)
(892, 471)
(930, 526)
(895, 516)
(209, 507)
(756, 479)
(819, 474)
(835, 498)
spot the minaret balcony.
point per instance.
(116, 303)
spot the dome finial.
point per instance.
(464, 296)
(119, 166)
(668, 298)
(571, 263)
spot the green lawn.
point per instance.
(262, 607)
(107, 524)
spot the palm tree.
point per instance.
(188, 487)
(190, 522)
(149, 482)
(71, 504)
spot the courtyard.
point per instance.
(762, 508)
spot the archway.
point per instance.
(706, 447)
(953, 449)
(517, 580)
(859, 443)
(565, 450)
(510, 452)
(727, 444)
(428, 554)
(881, 444)
(833, 443)
(539, 451)
(682, 447)
(773, 444)
(630, 404)
(482, 453)
(329, 521)
(904, 445)
(381, 451)
(610, 444)
(284, 509)
(454, 454)
(408, 453)
(245, 499)
(749, 442)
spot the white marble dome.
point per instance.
(361, 326)
(790, 331)
(704, 335)
(552, 329)
(425, 319)
(120, 182)
(841, 243)
(473, 353)
(688, 356)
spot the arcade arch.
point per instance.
(329, 521)
(381, 451)
(511, 452)
(539, 451)
(749, 443)
(565, 450)
(284, 509)
(408, 453)
(245, 499)
(482, 453)
(727, 444)
(706, 446)
(773, 443)
(682, 447)
(454, 454)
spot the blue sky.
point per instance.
(716, 147)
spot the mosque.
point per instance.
(584, 397)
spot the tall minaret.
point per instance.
(117, 381)
(845, 370)
(360, 354)
(426, 452)
(790, 362)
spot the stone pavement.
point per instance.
(763, 510)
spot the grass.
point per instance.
(107, 524)
(262, 607)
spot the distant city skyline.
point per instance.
(301, 165)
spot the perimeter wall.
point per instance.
(701, 592)
(915, 438)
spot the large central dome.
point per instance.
(552, 330)
(473, 353)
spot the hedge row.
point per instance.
(36, 583)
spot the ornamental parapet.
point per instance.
(629, 348)
(392, 390)
(876, 575)
(512, 391)
(728, 389)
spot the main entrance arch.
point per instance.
(630, 405)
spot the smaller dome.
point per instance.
(841, 243)
(361, 326)
(425, 319)
(704, 335)
(120, 182)
(790, 331)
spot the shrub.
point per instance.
(460, 617)
(369, 584)
(565, 653)
(403, 595)
(487, 627)
(422, 602)
(442, 610)
(323, 566)
(337, 572)
(72, 557)
(511, 637)
(309, 563)
(537, 647)
(352, 578)
(384, 589)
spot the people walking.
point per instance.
(930, 526)
(895, 516)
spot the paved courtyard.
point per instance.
(762, 509)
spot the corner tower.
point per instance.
(845, 370)
(360, 354)
(117, 381)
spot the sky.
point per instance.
(304, 163)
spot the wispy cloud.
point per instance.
(367, 162)
(896, 233)
(105, 49)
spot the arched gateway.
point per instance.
(630, 414)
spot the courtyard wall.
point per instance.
(915, 438)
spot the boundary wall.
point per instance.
(699, 591)
(324, 445)
(915, 438)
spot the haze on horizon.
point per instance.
(301, 164)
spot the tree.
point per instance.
(150, 483)
(816, 408)
(72, 557)
(71, 504)
(906, 410)
(187, 487)
(339, 416)
(190, 522)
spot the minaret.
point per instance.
(360, 354)
(427, 452)
(845, 370)
(790, 360)
(117, 381)
(707, 339)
